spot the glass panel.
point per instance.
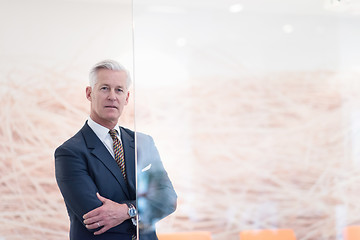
(253, 106)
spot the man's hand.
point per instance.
(109, 215)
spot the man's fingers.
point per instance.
(102, 230)
(96, 211)
(109, 215)
(92, 213)
(101, 198)
(94, 225)
(92, 220)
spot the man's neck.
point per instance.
(107, 124)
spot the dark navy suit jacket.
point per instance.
(84, 166)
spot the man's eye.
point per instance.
(103, 88)
(120, 90)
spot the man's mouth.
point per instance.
(111, 107)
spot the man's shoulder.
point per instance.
(73, 141)
(76, 140)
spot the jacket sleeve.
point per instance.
(156, 195)
(76, 185)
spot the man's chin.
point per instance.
(111, 117)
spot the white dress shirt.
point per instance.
(103, 134)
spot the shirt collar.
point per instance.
(101, 131)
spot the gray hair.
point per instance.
(107, 64)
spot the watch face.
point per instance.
(132, 212)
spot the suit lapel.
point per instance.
(98, 149)
(129, 153)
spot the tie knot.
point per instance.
(113, 134)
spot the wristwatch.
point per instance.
(132, 213)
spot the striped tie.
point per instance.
(119, 157)
(118, 152)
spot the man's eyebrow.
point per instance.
(108, 85)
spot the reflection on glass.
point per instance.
(156, 197)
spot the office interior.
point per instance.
(254, 106)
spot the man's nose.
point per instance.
(112, 95)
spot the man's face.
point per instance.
(108, 97)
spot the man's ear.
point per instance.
(127, 97)
(88, 93)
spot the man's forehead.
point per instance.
(111, 83)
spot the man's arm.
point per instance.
(80, 193)
(109, 215)
(157, 197)
(77, 187)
